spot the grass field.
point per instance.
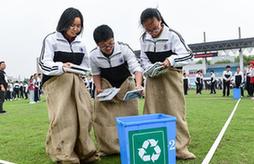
(23, 130)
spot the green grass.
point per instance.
(24, 127)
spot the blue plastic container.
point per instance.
(147, 139)
(236, 93)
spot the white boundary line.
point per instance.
(5, 162)
(219, 137)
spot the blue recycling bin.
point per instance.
(236, 93)
(147, 139)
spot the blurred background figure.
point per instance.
(227, 75)
(185, 83)
(238, 80)
(3, 85)
(213, 82)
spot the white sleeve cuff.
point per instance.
(60, 68)
(171, 60)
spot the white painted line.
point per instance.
(5, 162)
(219, 137)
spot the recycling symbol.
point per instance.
(149, 157)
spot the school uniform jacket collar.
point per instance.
(59, 36)
(116, 51)
(163, 36)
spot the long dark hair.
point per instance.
(67, 18)
(150, 13)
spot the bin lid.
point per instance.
(145, 119)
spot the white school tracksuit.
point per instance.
(169, 45)
(117, 67)
(69, 104)
(57, 50)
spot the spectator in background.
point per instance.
(247, 81)
(26, 89)
(213, 82)
(238, 80)
(3, 85)
(36, 82)
(251, 87)
(227, 76)
(31, 89)
(16, 90)
(21, 89)
(185, 83)
(198, 82)
(201, 80)
(90, 86)
(219, 85)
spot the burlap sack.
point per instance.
(105, 113)
(164, 94)
(70, 114)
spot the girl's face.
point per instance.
(153, 27)
(74, 28)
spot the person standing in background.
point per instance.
(25, 89)
(3, 85)
(251, 87)
(227, 75)
(247, 80)
(21, 89)
(31, 89)
(213, 82)
(198, 82)
(238, 80)
(185, 83)
(16, 90)
(201, 80)
(36, 82)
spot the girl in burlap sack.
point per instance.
(164, 93)
(68, 101)
(112, 64)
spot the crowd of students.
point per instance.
(243, 80)
(27, 89)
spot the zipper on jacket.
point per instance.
(109, 62)
(154, 47)
(71, 47)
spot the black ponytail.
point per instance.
(150, 13)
